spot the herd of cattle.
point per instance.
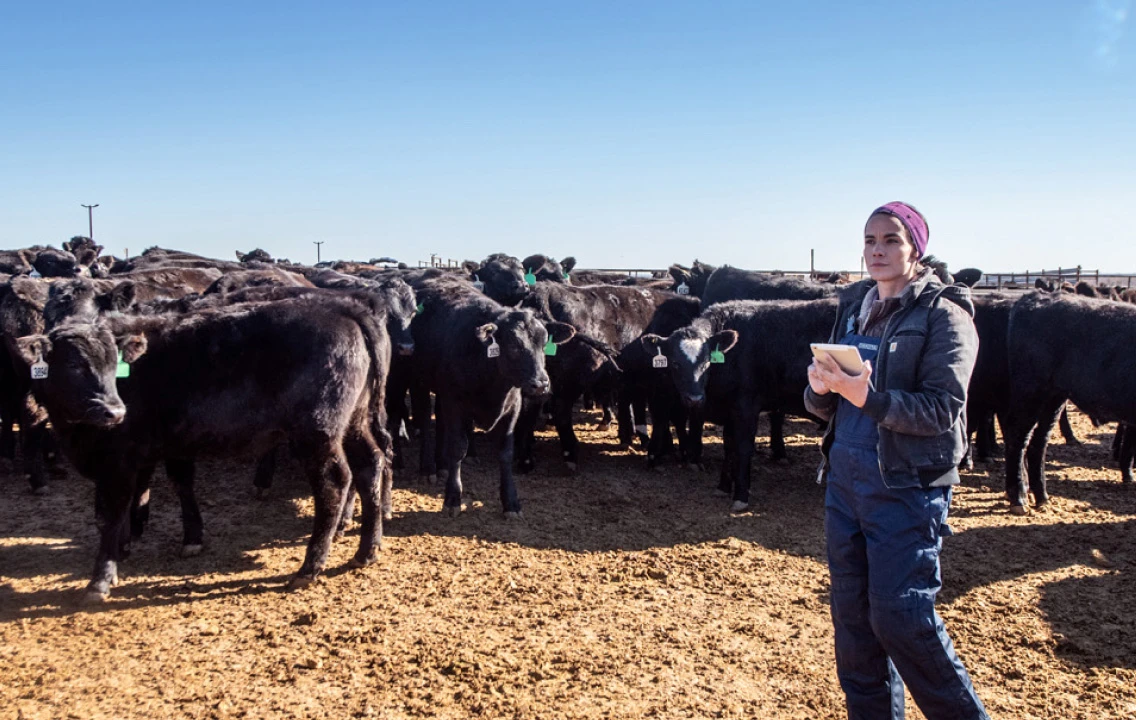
(170, 356)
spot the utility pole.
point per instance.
(90, 219)
(317, 243)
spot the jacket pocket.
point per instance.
(904, 351)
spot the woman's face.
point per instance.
(889, 254)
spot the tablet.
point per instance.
(846, 356)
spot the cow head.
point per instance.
(688, 352)
(50, 262)
(81, 358)
(521, 338)
(401, 310)
(502, 278)
(544, 268)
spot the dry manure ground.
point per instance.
(624, 593)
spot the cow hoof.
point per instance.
(603, 427)
(452, 510)
(360, 562)
(443, 476)
(300, 582)
(1019, 510)
(40, 491)
(388, 514)
(188, 551)
(95, 597)
(722, 493)
(571, 466)
(262, 493)
(739, 506)
(514, 516)
(430, 480)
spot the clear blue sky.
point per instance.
(628, 134)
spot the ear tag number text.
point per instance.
(39, 370)
(682, 289)
(660, 360)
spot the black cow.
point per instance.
(730, 283)
(544, 268)
(611, 316)
(692, 280)
(738, 359)
(643, 385)
(500, 276)
(479, 359)
(1063, 347)
(219, 382)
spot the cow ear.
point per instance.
(485, 331)
(568, 264)
(560, 333)
(651, 340)
(123, 296)
(33, 348)
(723, 341)
(471, 266)
(132, 347)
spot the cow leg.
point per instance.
(984, 436)
(1067, 427)
(661, 444)
(32, 433)
(365, 460)
(181, 472)
(114, 502)
(777, 436)
(427, 465)
(626, 416)
(453, 441)
(1035, 451)
(639, 409)
(1127, 451)
(329, 474)
(726, 479)
(504, 438)
(744, 433)
(525, 435)
(692, 420)
(563, 399)
(140, 506)
(265, 472)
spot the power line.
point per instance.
(317, 243)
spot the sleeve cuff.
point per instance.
(877, 405)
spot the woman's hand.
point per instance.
(828, 375)
(816, 382)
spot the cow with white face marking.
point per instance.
(738, 359)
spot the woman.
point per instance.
(896, 434)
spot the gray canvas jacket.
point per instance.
(919, 378)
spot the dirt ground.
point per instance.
(624, 593)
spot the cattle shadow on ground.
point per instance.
(1092, 618)
(61, 602)
(994, 554)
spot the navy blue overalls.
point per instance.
(883, 556)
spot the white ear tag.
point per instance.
(478, 285)
(660, 360)
(682, 289)
(34, 273)
(39, 370)
(494, 350)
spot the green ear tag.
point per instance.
(122, 370)
(550, 348)
(717, 357)
(530, 278)
(418, 310)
